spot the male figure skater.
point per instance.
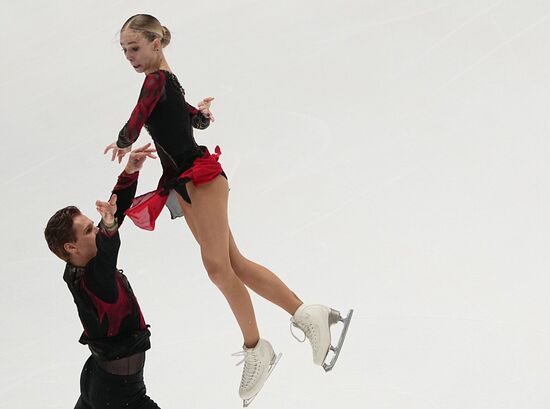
(114, 328)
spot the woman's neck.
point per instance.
(164, 67)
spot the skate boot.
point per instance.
(259, 362)
(315, 322)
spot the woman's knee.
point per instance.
(218, 268)
(240, 265)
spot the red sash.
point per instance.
(146, 208)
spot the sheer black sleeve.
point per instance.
(151, 92)
(198, 119)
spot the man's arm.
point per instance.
(125, 191)
(102, 268)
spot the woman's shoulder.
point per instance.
(155, 78)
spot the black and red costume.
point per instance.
(114, 327)
(170, 120)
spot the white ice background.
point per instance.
(385, 155)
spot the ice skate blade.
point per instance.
(338, 348)
(248, 401)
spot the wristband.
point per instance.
(109, 226)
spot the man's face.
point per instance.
(84, 247)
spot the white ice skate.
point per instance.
(315, 322)
(259, 362)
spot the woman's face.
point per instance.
(140, 52)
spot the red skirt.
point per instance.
(146, 208)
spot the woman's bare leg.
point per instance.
(255, 276)
(207, 218)
(261, 280)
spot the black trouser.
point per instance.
(100, 389)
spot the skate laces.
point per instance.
(251, 368)
(240, 353)
(307, 328)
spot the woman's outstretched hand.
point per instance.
(117, 152)
(204, 107)
(138, 156)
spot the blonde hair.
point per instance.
(149, 26)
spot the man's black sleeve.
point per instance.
(125, 189)
(101, 271)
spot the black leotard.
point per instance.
(170, 120)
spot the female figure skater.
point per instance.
(194, 185)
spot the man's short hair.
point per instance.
(59, 231)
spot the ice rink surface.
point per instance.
(390, 156)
